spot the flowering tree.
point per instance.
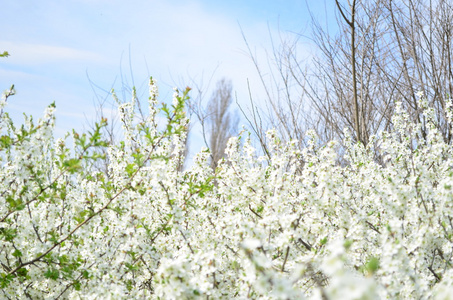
(295, 225)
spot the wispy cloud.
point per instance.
(36, 54)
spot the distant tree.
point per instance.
(221, 122)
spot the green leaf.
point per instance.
(17, 253)
(130, 169)
(372, 265)
(260, 209)
(52, 274)
(5, 279)
(81, 216)
(8, 233)
(5, 141)
(22, 272)
(53, 236)
(77, 285)
(72, 165)
(63, 259)
(347, 244)
(131, 267)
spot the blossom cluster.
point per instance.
(293, 224)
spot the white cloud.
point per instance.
(35, 54)
(6, 75)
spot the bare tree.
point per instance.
(218, 122)
(422, 32)
(382, 52)
(222, 124)
(345, 83)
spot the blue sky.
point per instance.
(55, 46)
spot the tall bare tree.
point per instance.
(381, 52)
(345, 82)
(221, 122)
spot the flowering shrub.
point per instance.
(292, 225)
